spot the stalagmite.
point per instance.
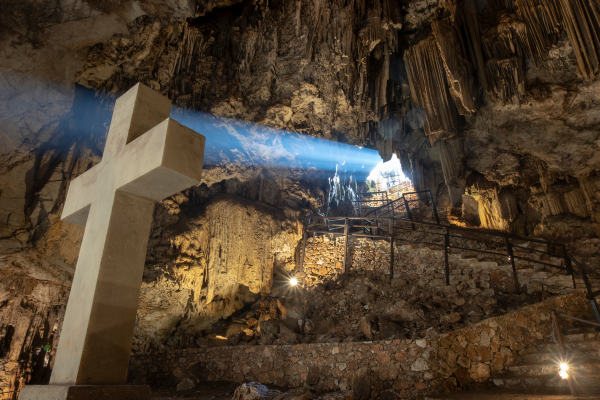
(429, 89)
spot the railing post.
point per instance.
(391, 248)
(594, 306)
(408, 213)
(568, 263)
(345, 243)
(511, 257)
(437, 218)
(304, 245)
(359, 206)
(589, 296)
(446, 250)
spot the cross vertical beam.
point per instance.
(144, 161)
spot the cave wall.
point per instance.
(495, 98)
(508, 91)
(207, 259)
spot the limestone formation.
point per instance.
(211, 269)
(490, 105)
(429, 90)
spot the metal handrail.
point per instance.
(569, 260)
(579, 319)
(406, 205)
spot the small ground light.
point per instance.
(293, 281)
(563, 370)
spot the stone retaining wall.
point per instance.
(471, 273)
(398, 368)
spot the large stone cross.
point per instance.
(147, 158)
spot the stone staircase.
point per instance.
(535, 374)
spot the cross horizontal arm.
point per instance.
(165, 160)
(81, 194)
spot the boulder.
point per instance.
(287, 338)
(366, 328)
(309, 327)
(186, 384)
(450, 318)
(387, 328)
(294, 309)
(402, 311)
(269, 327)
(235, 329)
(254, 391)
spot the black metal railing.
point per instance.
(398, 206)
(316, 224)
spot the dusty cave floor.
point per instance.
(203, 391)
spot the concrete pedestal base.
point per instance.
(56, 392)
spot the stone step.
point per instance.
(584, 328)
(517, 394)
(545, 381)
(583, 346)
(552, 356)
(578, 369)
(580, 336)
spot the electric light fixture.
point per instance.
(563, 370)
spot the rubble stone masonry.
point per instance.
(400, 368)
(471, 273)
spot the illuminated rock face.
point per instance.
(218, 257)
(506, 109)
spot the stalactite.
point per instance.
(392, 14)
(451, 157)
(387, 129)
(429, 89)
(576, 203)
(467, 18)
(505, 46)
(418, 178)
(581, 20)
(547, 177)
(554, 204)
(458, 69)
(543, 20)
(497, 208)
(405, 163)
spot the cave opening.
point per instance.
(388, 177)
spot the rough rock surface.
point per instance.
(404, 368)
(505, 108)
(208, 265)
(368, 304)
(33, 297)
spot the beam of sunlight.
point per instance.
(239, 142)
(229, 142)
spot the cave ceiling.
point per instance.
(468, 94)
